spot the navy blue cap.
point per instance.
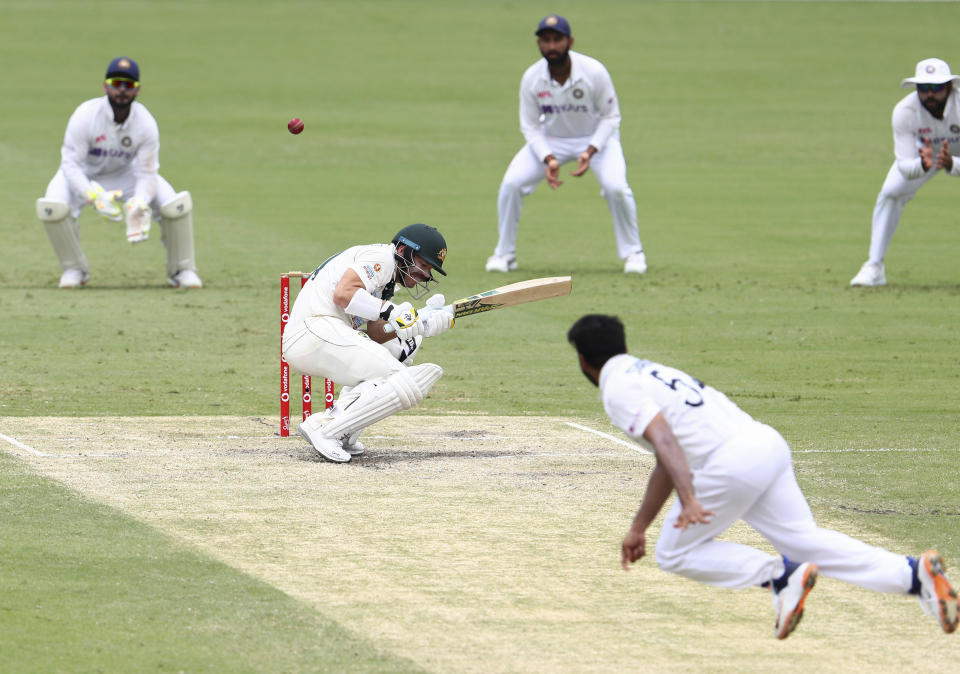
(554, 22)
(123, 67)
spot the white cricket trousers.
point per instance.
(894, 195)
(59, 190)
(752, 479)
(325, 346)
(526, 171)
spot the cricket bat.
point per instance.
(507, 296)
(533, 290)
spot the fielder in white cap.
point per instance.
(926, 141)
(725, 466)
(110, 160)
(568, 112)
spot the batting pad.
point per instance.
(176, 221)
(372, 401)
(64, 234)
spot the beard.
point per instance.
(935, 107)
(556, 60)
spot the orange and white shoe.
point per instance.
(937, 598)
(788, 602)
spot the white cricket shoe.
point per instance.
(73, 278)
(788, 602)
(328, 448)
(501, 264)
(636, 263)
(185, 278)
(870, 274)
(937, 599)
(352, 445)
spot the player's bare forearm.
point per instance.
(670, 456)
(634, 545)
(375, 331)
(348, 284)
(659, 488)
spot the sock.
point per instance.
(788, 568)
(915, 587)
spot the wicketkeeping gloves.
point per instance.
(138, 219)
(105, 202)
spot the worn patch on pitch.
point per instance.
(469, 544)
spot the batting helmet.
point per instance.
(425, 241)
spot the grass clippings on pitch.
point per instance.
(480, 544)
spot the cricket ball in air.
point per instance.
(295, 125)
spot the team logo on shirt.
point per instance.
(126, 142)
(377, 267)
(954, 128)
(578, 93)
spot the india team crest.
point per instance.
(578, 93)
(551, 21)
(126, 142)
(123, 63)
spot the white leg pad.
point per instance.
(176, 222)
(373, 401)
(64, 234)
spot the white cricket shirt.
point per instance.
(374, 265)
(702, 418)
(95, 146)
(583, 106)
(912, 123)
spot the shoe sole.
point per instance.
(334, 459)
(793, 619)
(946, 596)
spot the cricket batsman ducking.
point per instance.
(345, 326)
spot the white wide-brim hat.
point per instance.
(930, 71)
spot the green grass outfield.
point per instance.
(757, 136)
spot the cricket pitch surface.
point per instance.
(464, 543)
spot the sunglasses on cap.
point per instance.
(122, 83)
(932, 87)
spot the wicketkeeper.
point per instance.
(110, 160)
(323, 337)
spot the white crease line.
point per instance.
(26, 448)
(863, 451)
(631, 445)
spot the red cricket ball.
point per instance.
(295, 125)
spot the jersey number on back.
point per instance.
(691, 387)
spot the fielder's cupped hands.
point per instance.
(692, 513)
(583, 163)
(944, 159)
(553, 172)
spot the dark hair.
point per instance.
(598, 338)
